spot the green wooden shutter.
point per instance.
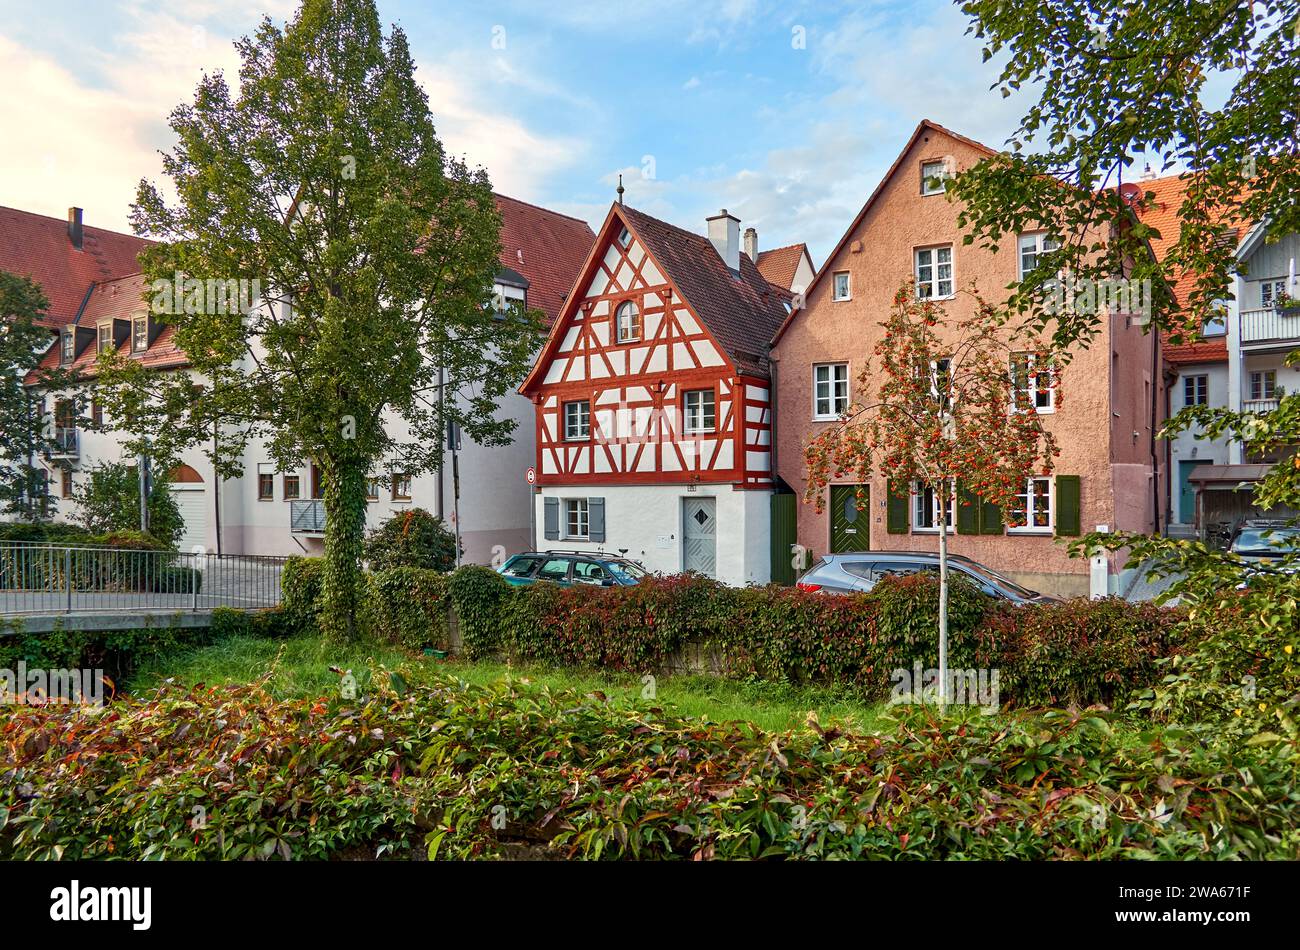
(595, 519)
(896, 521)
(990, 517)
(968, 511)
(1067, 506)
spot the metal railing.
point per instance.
(1258, 326)
(307, 516)
(65, 444)
(37, 578)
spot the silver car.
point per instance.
(858, 572)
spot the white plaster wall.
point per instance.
(645, 522)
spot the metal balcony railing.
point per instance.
(55, 579)
(1266, 326)
(307, 517)
(65, 444)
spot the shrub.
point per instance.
(580, 778)
(117, 653)
(408, 606)
(109, 500)
(131, 540)
(300, 593)
(477, 594)
(412, 538)
(178, 580)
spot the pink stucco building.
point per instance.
(1107, 476)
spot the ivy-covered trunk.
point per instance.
(345, 523)
(943, 489)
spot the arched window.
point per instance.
(628, 319)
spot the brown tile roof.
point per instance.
(38, 247)
(544, 246)
(778, 265)
(1161, 211)
(741, 313)
(119, 299)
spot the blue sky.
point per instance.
(786, 113)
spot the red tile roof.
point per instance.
(38, 247)
(742, 314)
(548, 248)
(1161, 212)
(778, 265)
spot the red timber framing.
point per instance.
(636, 391)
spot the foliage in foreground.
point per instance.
(449, 770)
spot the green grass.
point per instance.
(301, 667)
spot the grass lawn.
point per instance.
(300, 667)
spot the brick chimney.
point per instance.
(724, 232)
(75, 233)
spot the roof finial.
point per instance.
(620, 188)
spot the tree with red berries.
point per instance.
(944, 402)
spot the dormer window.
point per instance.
(628, 320)
(139, 334)
(68, 345)
(105, 337)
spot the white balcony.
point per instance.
(1269, 327)
(307, 517)
(1259, 405)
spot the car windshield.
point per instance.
(1263, 540)
(998, 580)
(626, 571)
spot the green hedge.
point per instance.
(300, 593)
(1074, 652)
(264, 624)
(118, 653)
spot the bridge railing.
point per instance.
(38, 578)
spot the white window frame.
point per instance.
(835, 285)
(634, 328)
(582, 432)
(1275, 286)
(693, 416)
(1050, 496)
(1199, 386)
(135, 323)
(1035, 244)
(100, 347)
(918, 501)
(1031, 388)
(68, 346)
(1261, 378)
(928, 288)
(942, 177)
(577, 512)
(835, 399)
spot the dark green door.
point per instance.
(850, 527)
(1186, 493)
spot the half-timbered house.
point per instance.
(653, 401)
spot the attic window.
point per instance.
(105, 338)
(68, 346)
(139, 334)
(624, 237)
(933, 178)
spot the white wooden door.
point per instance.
(700, 536)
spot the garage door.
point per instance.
(194, 512)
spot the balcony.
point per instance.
(307, 517)
(1264, 327)
(1259, 405)
(65, 445)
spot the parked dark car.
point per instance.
(1263, 541)
(572, 567)
(859, 572)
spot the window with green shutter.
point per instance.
(968, 511)
(990, 518)
(1068, 510)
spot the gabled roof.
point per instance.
(38, 247)
(925, 125)
(778, 266)
(1161, 212)
(740, 311)
(546, 247)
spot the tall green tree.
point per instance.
(323, 180)
(24, 489)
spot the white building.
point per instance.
(653, 402)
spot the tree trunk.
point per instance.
(943, 599)
(345, 522)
